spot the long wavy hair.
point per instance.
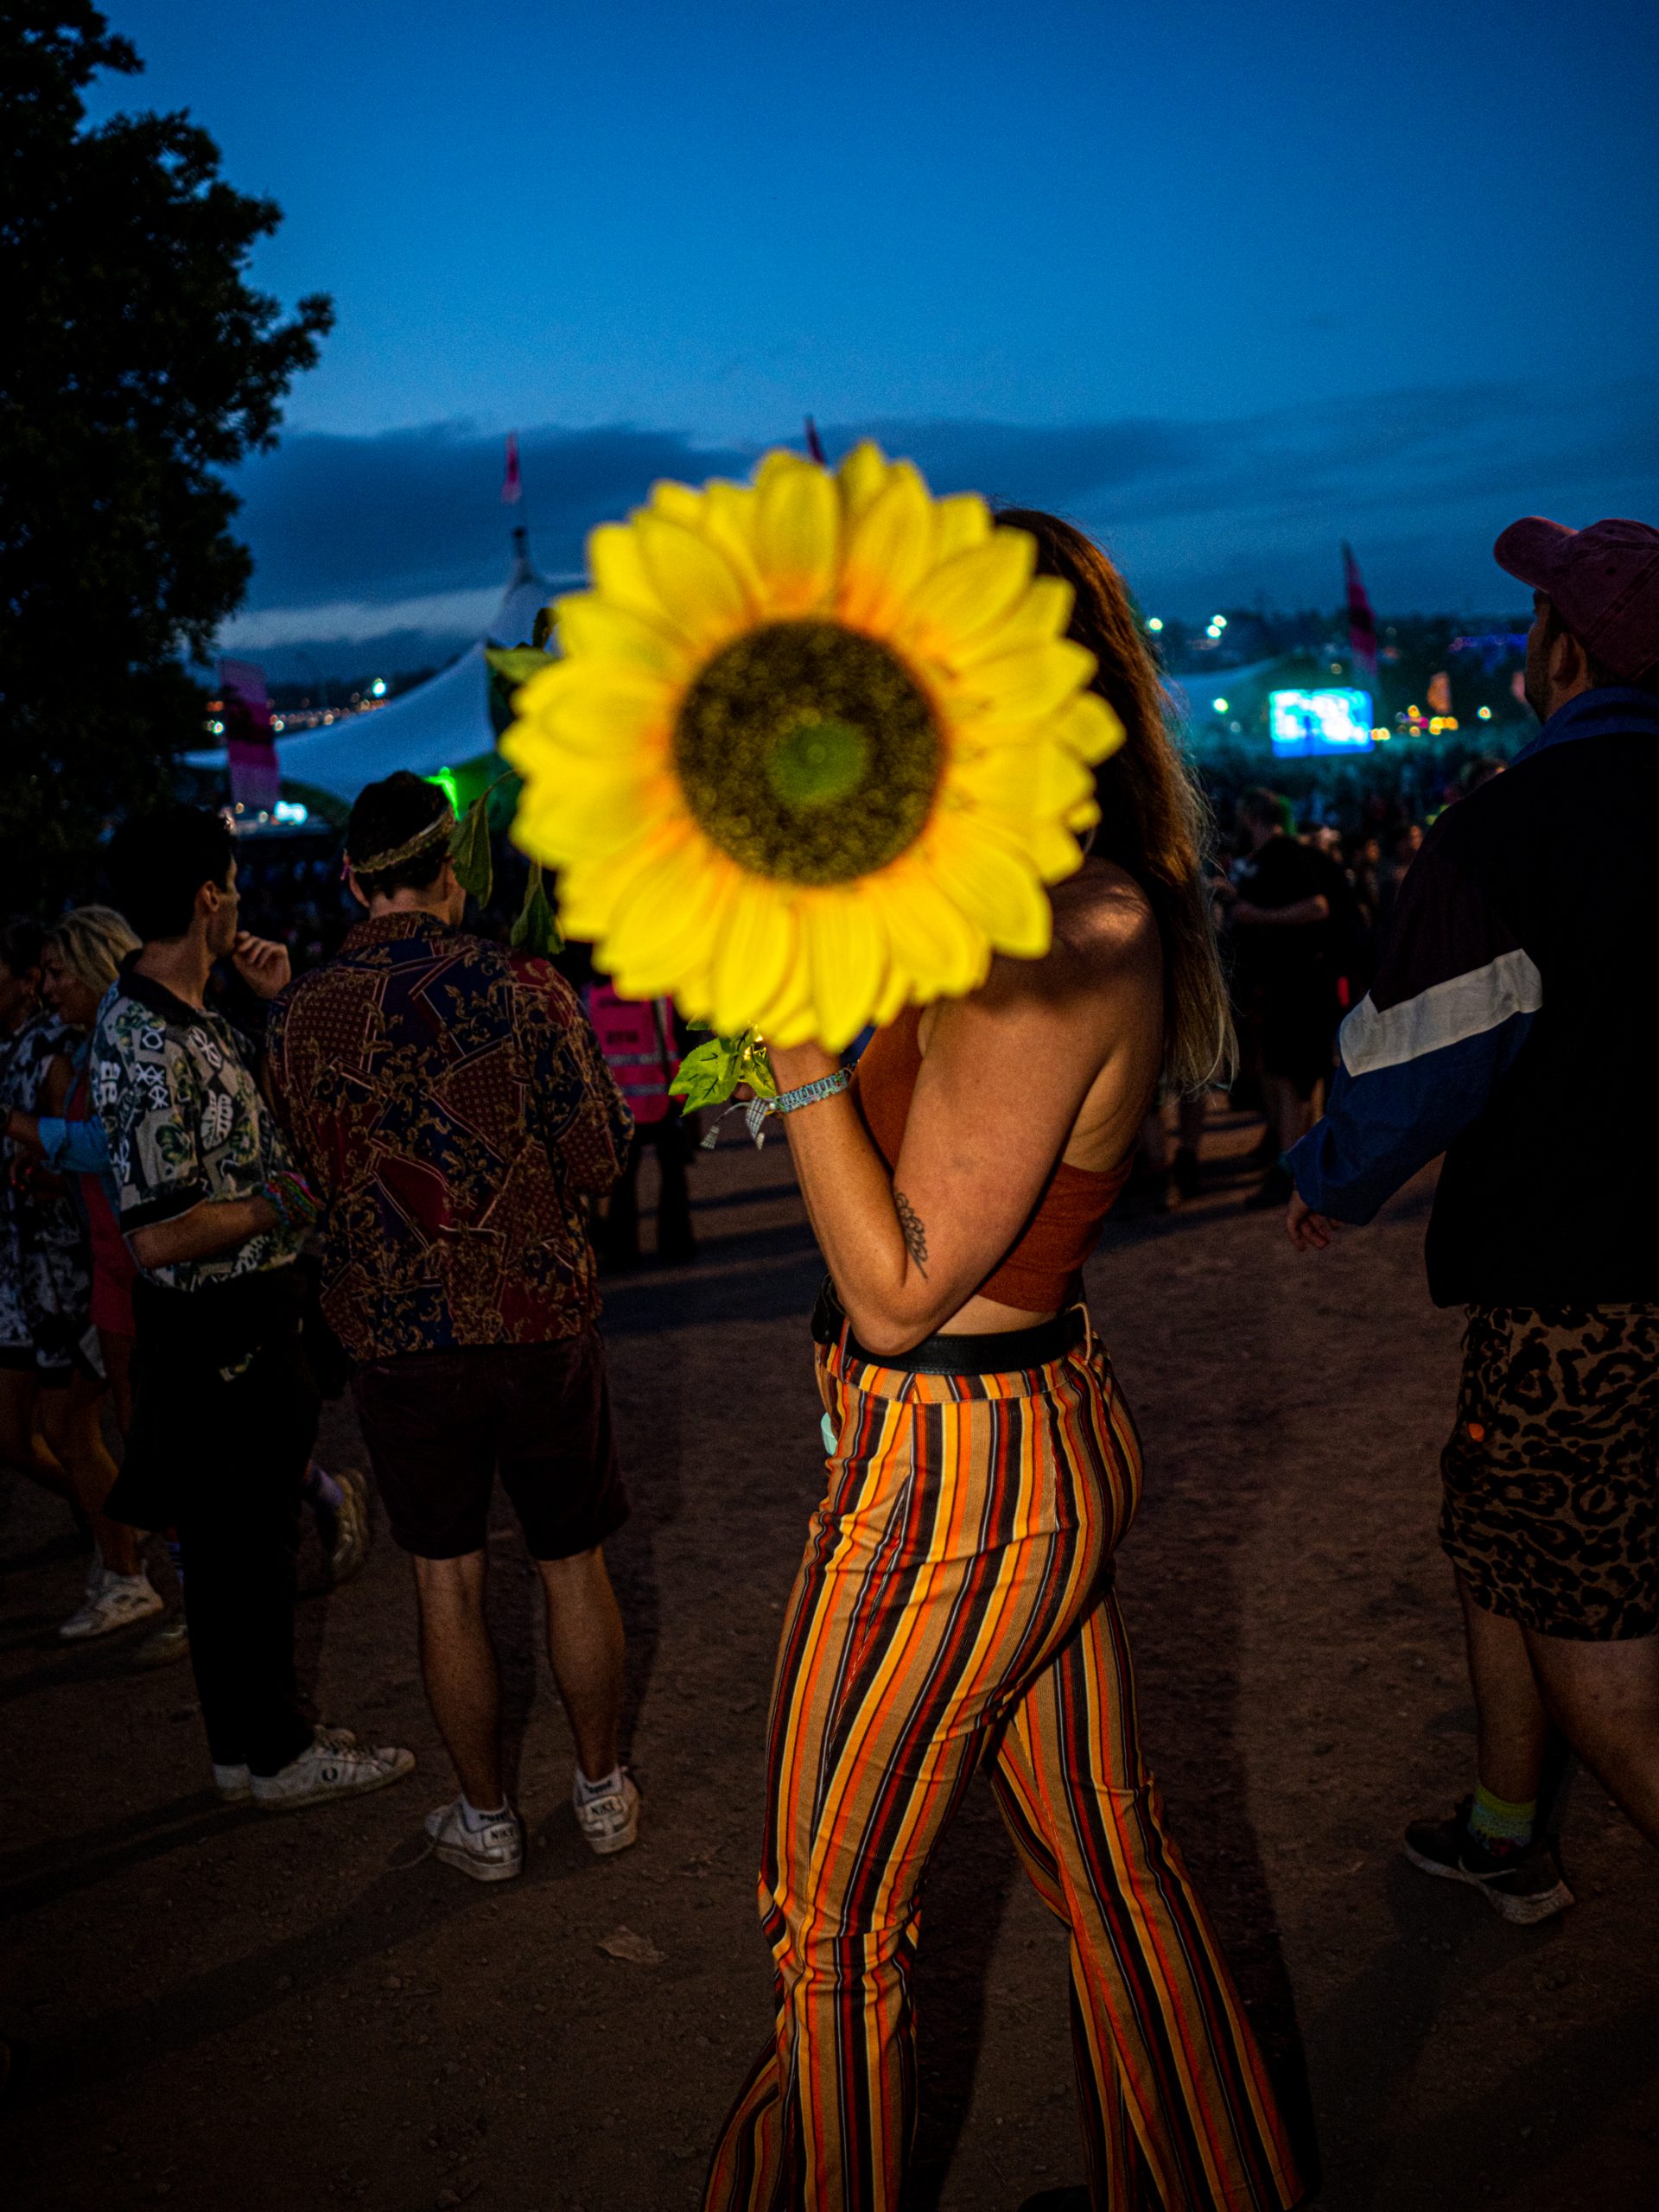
(1154, 822)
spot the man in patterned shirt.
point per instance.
(448, 1102)
(225, 1410)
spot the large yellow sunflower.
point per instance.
(815, 748)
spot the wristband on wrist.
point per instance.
(791, 1102)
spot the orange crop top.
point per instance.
(1037, 1272)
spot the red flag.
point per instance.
(1362, 623)
(512, 489)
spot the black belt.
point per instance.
(999, 1353)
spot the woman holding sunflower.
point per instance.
(861, 726)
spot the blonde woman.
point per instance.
(77, 1272)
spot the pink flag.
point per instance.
(512, 489)
(1362, 623)
(248, 742)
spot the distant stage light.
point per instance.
(1220, 706)
(1154, 624)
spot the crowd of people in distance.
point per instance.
(234, 1189)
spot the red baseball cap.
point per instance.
(1603, 581)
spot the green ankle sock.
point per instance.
(1494, 1820)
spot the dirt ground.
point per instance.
(214, 2009)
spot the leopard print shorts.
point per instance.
(1551, 1503)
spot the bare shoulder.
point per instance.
(1105, 941)
(1103, 923)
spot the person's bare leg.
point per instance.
(463, 1683)
(21, 1444)
(116, 1354)
(584, 1646)
(1511, 1723)
(69, 1418)
(1190, 1117)
(1606, 1699)
(1289, 1117)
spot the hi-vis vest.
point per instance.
(637, 1038)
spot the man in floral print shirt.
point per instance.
(225, 1408)
(448, 1102)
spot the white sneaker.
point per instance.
(162, 1645)
(233, 1784)
(117, 1602)
(333, 1765)
(611, 1822)
(494, 1852)
(349, 1545)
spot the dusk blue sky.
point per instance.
(1226, 284)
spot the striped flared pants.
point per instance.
(955, 1604)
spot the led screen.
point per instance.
(1319, 721)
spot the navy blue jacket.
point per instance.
(1508, 1027)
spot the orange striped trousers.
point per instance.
(955, 1604)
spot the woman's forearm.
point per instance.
(873, 1243)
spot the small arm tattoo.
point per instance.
(915, 1235)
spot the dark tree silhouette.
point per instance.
(136, 364)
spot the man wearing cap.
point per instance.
(1505, 1029)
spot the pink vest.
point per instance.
(637, 1038)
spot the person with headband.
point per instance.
(448, 1102)
(224, 1406)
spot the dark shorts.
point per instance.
(1297, 1035)
(1551, 1502)
(440, 1424)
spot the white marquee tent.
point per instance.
(442, 723)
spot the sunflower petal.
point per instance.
(887, 553)
(663, 925)
(796, 529)
(993, 883)
(846, 954)
(959, 523)
(1090, 727)
(591, 890)
(759, 948)
(592, 627)
(1041, 612)
(976, 592)
(934, 945)
(694, 581)
(617, 569)
(861, 477)
(728, 524)
(677, 501)
(1025, 685)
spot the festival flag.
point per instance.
(815, 443)
(513, 488)
(1440, 693)
(248, 741)
(1362, 623)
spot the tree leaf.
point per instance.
(469, 849)
(537, 928)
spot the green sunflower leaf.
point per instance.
(711, 1071)
(537, 928)
(516, 664)
(469, 849)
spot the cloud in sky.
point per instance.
(393, 548)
